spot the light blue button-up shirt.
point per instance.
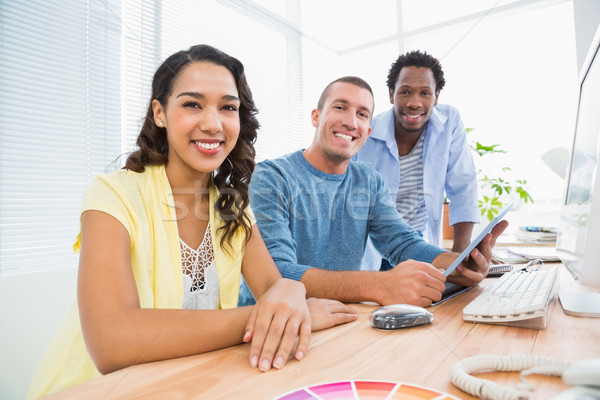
(448, 167)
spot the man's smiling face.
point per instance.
(414, 98)
(343, 122)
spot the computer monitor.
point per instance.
(578, 241)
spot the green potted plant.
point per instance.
(496, 187)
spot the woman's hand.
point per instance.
(327, 313)
(279, 317)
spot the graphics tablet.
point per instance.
(477, 240)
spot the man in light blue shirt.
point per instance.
(420, 149)
(315, 209)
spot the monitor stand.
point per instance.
(580, 304)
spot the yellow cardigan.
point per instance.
(143, 203)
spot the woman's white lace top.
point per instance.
(200, 279)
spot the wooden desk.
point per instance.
(420, 356)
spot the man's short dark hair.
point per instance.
(355, 80)
(416, 58)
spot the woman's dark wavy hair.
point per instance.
(418, 59)
(233, 176)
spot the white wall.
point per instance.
(32, 306)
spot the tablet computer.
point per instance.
(477, 240)
(452, 290)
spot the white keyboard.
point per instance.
(518, 298)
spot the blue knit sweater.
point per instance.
(310, 219)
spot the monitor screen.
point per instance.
(584, 155)
(578, 242)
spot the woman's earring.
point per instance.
(160, 123)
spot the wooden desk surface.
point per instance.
(420, 356)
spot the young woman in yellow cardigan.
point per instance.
(164, 241)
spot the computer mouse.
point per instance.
(397, 316)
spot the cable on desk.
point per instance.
(486, 389)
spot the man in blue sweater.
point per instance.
(315, 210)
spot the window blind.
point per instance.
(141, 57)
(59, 121)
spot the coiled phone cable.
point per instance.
(460, 374)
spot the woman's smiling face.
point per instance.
(201, 117)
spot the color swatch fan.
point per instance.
(365, 390)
